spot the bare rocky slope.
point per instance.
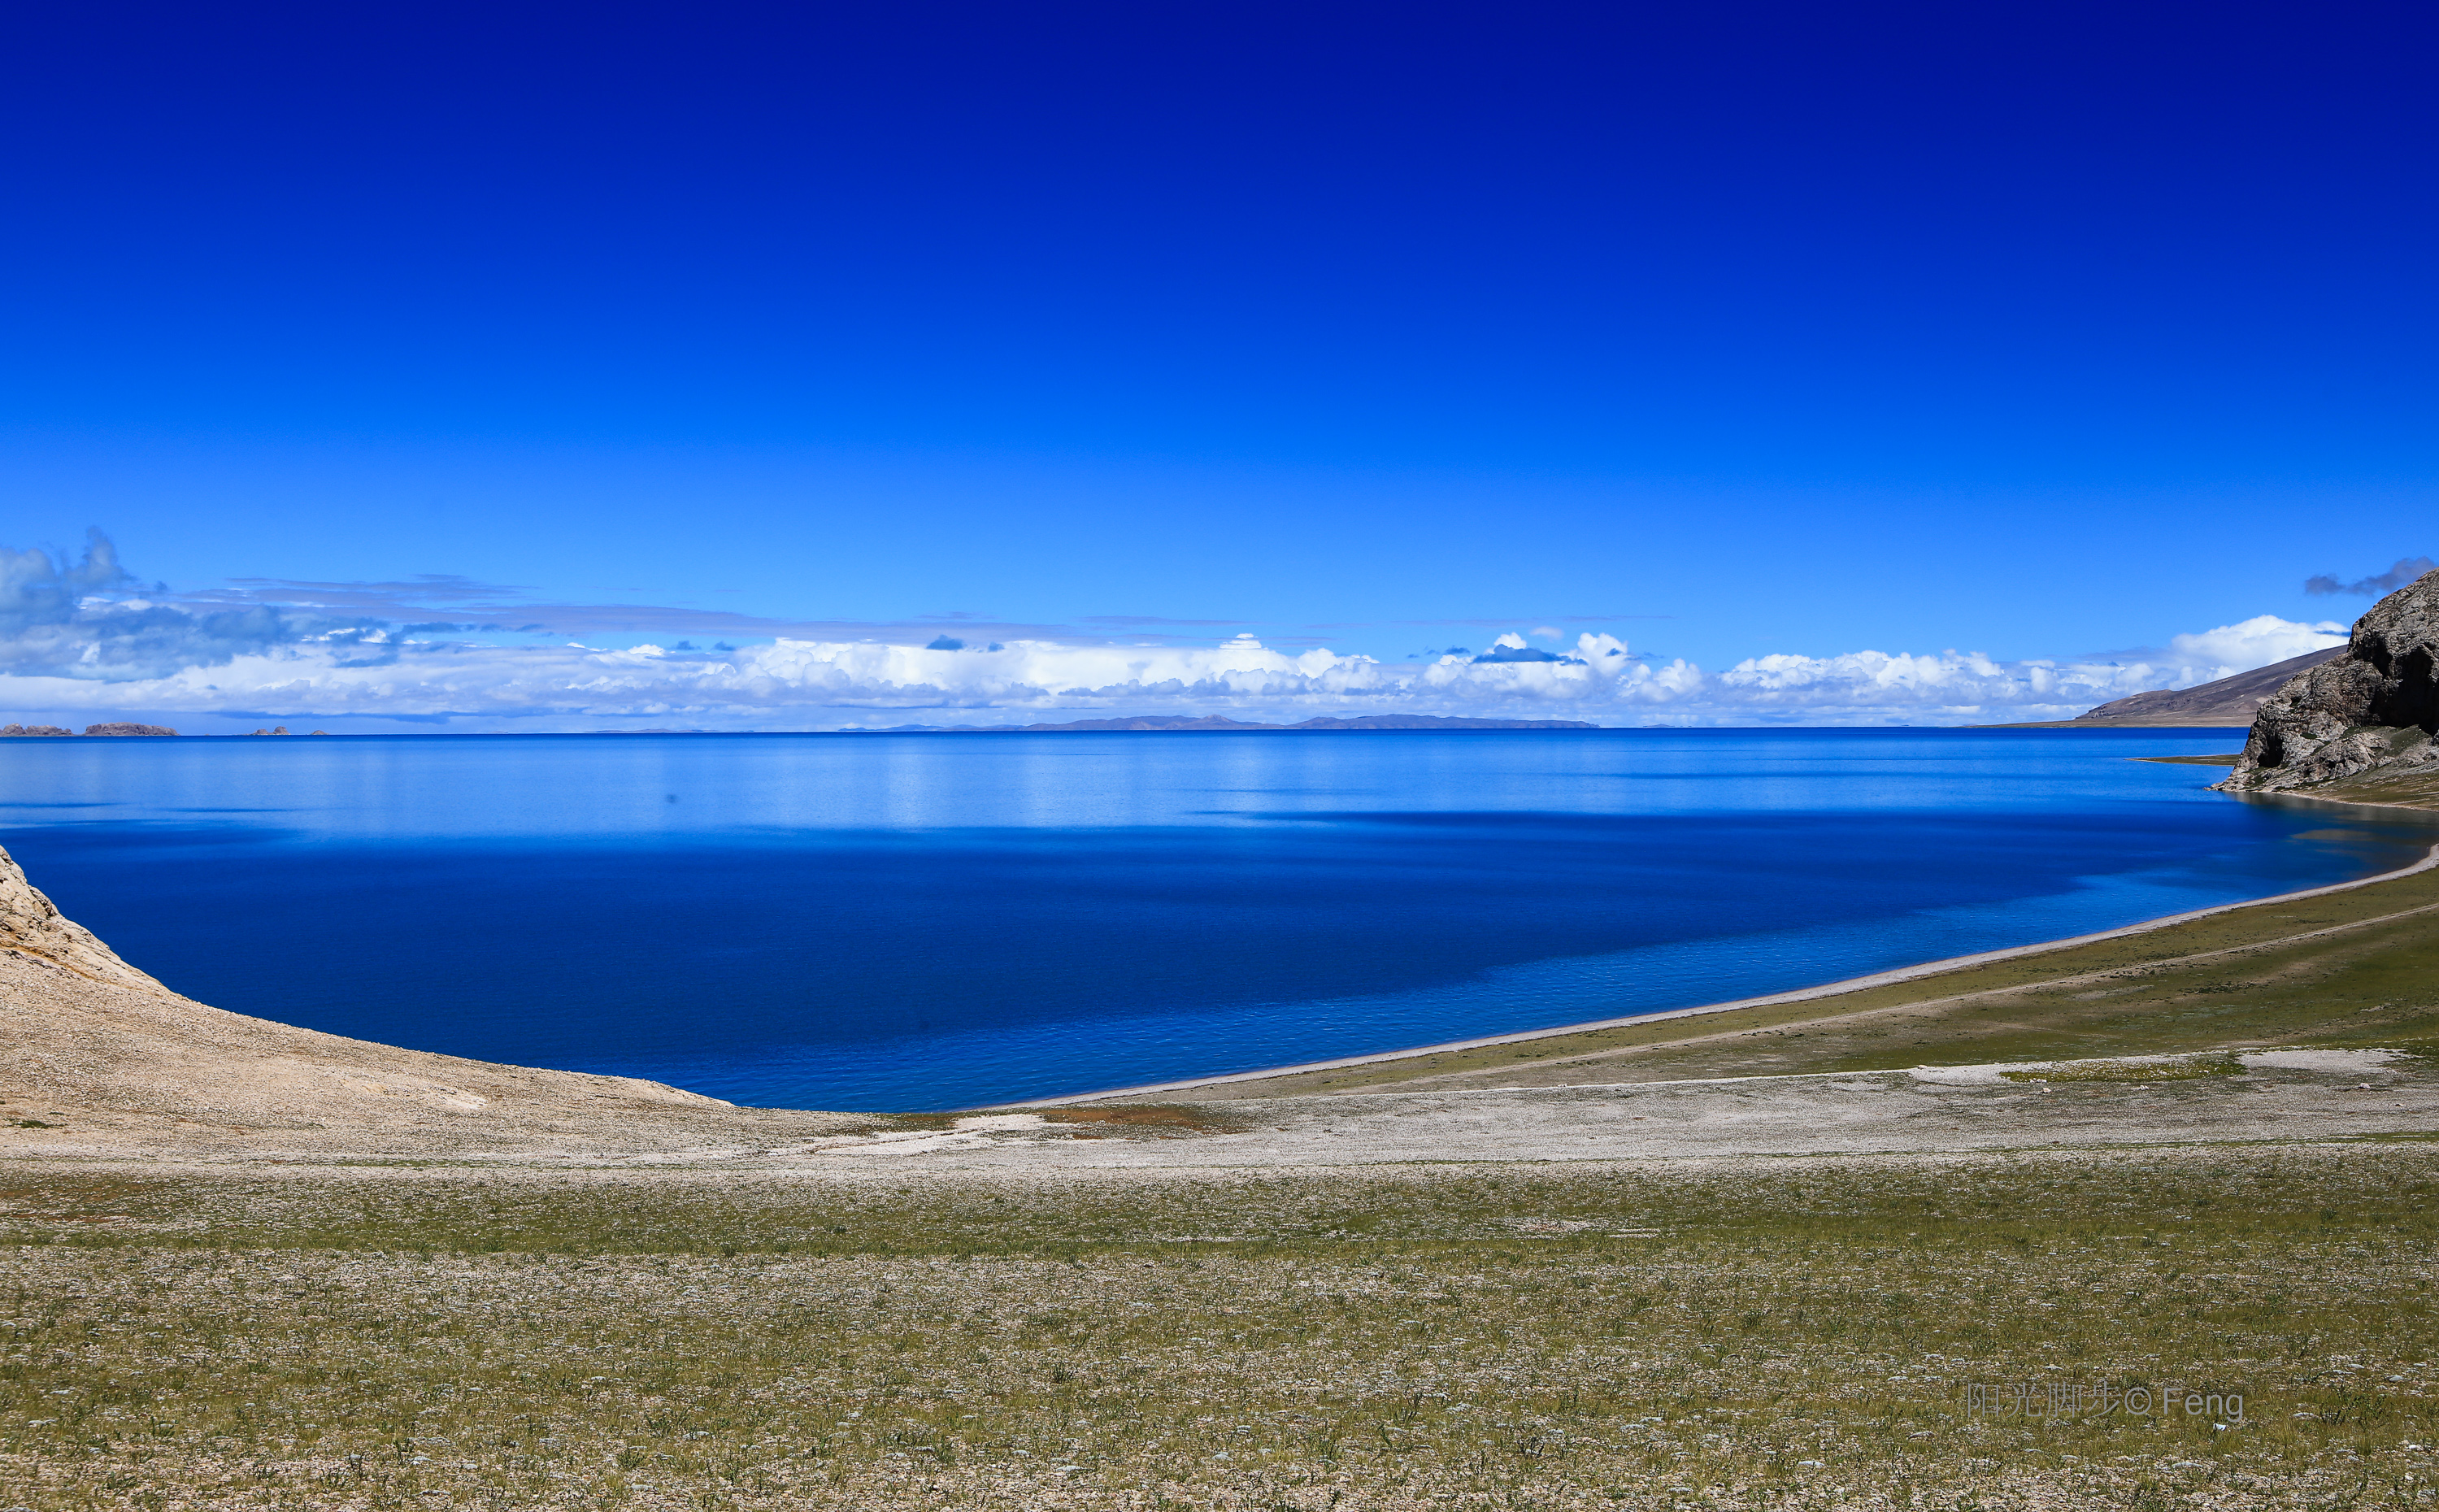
(2362, 721)
(98, 1054)
(2232, 700)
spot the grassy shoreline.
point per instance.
(1756, 1332)
(2335, 967)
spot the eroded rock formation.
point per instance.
(2367, 716)
(30, 924)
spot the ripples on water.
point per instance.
(923, 921)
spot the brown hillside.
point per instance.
(101, 1057)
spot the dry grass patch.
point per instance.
(1784, 1333)
(2189, 1069)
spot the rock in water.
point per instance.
(2371, 713)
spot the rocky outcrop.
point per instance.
(30, 924)
(2368, 716)
(122, 727)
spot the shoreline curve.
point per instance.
(1830, 989)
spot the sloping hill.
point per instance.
(2229, 701)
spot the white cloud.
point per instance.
(2256, 642)
(76, 618)
(804, 683)
(1969, 687)
(75, 639)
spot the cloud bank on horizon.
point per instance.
(79, 637)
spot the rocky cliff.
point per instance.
(2364, 719)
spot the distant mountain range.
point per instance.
(2231, 701)
(1214, 723)
(1368, 721)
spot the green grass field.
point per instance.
(1755, 1333)
(1797, 1332)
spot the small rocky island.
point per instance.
(117, 728)
(2359, 726)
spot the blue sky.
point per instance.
(1727, 333)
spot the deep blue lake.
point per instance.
(934, 920)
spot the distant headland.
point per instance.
(2230, 702)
